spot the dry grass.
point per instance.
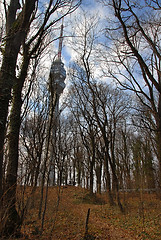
(142, 220)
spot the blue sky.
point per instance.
(91, 7)
(88, 3)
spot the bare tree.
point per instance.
(22, 37)
(134, 59)
(83, 114)
(92, 94)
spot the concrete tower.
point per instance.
(56, 86)
(57, 76)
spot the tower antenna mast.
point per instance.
(60, 40)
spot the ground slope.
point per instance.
(67, 209)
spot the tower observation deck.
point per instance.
(57, 76)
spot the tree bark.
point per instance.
(16, 30)
(98, 176)
(12, 223)
(92, 161)
(158, 138)
(108, 180)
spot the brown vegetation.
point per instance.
(67, 219)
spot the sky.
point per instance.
(91, 7)
(88, 3)
(68, 54)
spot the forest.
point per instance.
(84, 162)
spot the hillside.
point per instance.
(67, 209)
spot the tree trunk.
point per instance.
(108, 183)
(74, 167)
(91, 177)
(98, 176)
(12, 223)
(159, 138)
(7, 77)
(16, 32)
(79, 176)
(92, 162)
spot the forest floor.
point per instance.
(66, 214)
